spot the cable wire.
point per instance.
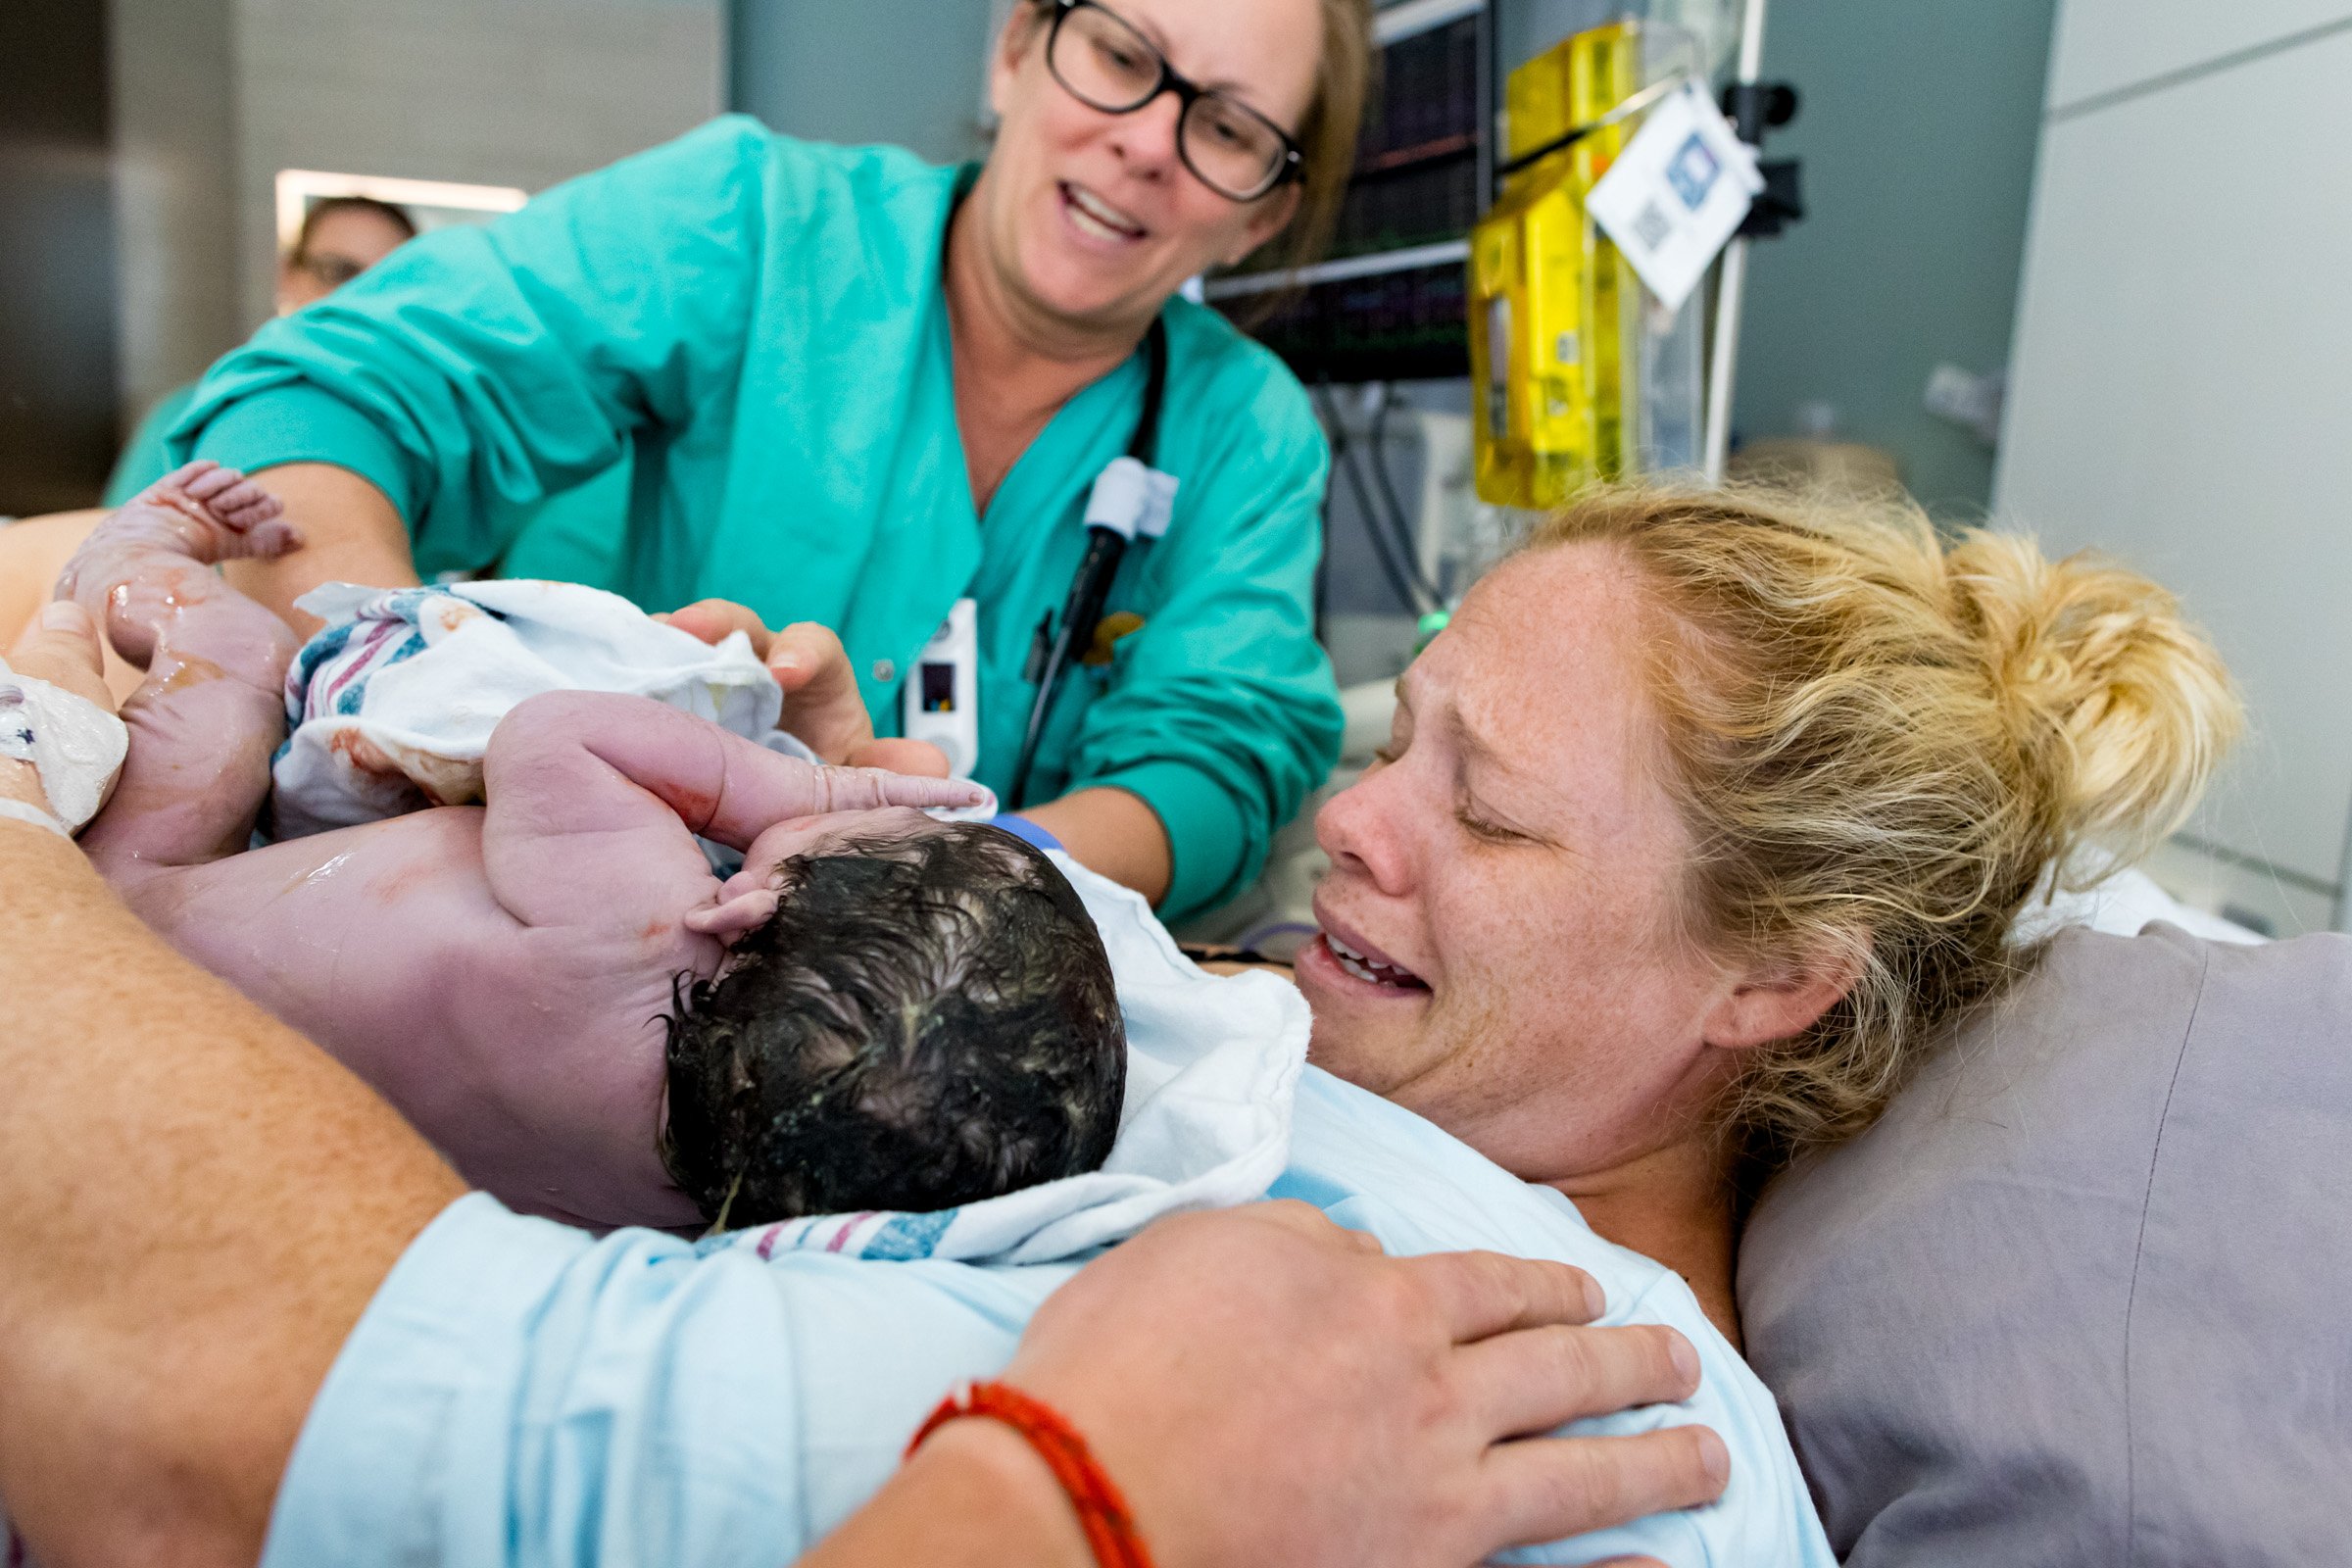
(1399, 516)
(1343, 457)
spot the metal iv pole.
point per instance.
(1730, 281)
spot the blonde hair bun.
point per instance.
(2120, 705)
(1883, 746)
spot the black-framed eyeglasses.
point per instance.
(1105, 64)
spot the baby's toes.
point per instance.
(201, 478)
(245, 506)
(272, 538)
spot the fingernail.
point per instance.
(1597, 1300)
(1714, 1457)
(62, 614)
(1686, 1359)
(785, 662)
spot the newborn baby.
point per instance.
(877, 1011)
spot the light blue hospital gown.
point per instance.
(522, 1393)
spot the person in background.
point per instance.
(341, 237)
(189, 1234)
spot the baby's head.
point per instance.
(928, 1021)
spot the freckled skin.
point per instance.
(1533, 886)
(498, 973)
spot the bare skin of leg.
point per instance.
(498, 974)
(212, 706)
(356, 535)
(32, 553)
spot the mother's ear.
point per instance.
(1780, 999)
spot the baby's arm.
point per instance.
(213, 706)
(594, 801)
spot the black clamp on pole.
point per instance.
(1753, 107)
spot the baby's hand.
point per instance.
(748, 899)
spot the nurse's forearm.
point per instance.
(195, 1206)
(351, 533)
(1115, 833)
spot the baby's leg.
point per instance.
(593, 800)
(213, 706)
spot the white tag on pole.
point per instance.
(1677, 193)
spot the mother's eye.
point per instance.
(1479, 827)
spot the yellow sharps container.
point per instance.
(1549, 296)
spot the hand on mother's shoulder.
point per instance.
(822, 707)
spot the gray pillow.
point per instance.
(2085, 1294)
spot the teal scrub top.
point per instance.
(762, 321)
(571, 537)
(146, 458)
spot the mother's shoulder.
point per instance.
(1424, 1190)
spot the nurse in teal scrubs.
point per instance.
(858, 389)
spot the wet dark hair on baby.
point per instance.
(930, 1020)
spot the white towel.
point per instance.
(396, 696)
(390, 707)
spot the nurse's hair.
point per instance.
(1327, 135)
(1883, 744)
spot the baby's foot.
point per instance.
(229, 515)
(153, 558)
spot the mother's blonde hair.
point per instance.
(1883, 745)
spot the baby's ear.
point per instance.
(736, 913)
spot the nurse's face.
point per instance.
(1093, 216)
(1514, 863)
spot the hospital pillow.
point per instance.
(2085, 1295)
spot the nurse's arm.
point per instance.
(1107, 830)
(1115, 833)
(351, 533)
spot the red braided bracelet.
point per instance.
(1110, 1533)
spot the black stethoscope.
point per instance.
(1130, 496)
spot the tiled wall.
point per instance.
(215, 96)
(497, 92)
(175, 212)
(2182, 385)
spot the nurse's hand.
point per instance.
(822, 704)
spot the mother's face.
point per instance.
(1093, 215)
(1515, 852)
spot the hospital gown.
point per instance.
(523, 1393)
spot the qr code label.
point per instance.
(1651, 226)
(1692, 171)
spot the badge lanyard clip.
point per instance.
(1131, 499)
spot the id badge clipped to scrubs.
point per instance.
(940, 701)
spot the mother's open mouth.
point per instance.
(1371, 970)
(1349, 957)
